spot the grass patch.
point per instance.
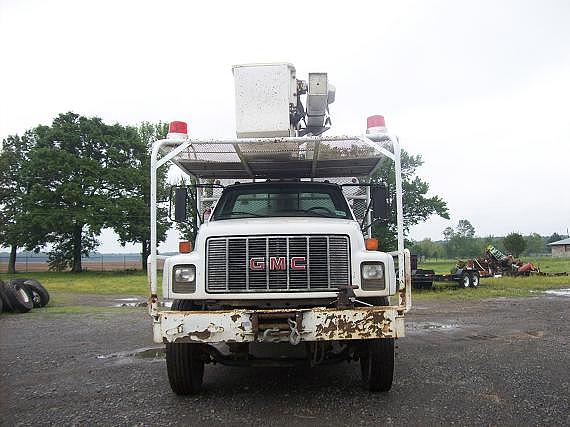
(99, 283)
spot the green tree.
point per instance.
(72, 173)
(554, 238)
(13, 222)
(427, 248)
(60, 257)
(130, 209)
(534, 244)
(461, 241)
(417, 205)
(514, 243)
(189, 228)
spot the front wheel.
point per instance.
(185, 367)
(377, 364)
(184, 361)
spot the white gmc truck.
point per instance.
(283, 269)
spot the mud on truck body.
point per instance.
(284, 269)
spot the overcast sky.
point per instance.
(480, 89)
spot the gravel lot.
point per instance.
(500, 361)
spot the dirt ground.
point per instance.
(492, 362)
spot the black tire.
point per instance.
(474, 280)
(377, 364)
(19, 298)
(183, 305)
(40, 296)
(1, 305)
(37, 292)
(4, 297)
(464, 281)
(184, 361)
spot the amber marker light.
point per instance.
(371, 244)
(184, 247)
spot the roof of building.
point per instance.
(560, 242)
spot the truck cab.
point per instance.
(279, 244)
(283, 269)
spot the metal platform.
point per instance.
(279, 158)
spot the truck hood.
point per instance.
(279, 226)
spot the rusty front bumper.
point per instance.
(294, 325)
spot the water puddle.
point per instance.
(425, 327)
(153, 353)
(559, 292)
(136, 302)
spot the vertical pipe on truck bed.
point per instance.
(153, 243)
(399, 208)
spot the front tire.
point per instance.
(184, 362)
(185, 368)
(377, 364)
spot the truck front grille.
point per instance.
(277, 263)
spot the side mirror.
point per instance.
(379, 196)
(180, 204)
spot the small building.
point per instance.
(561, 248)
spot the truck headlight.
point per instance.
(184, 279)
(372, 276)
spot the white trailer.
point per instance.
(280, 272)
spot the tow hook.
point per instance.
(278, 326)
(346, 297)
(295, 337)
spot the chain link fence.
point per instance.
(29, 263)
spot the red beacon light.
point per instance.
(376, 124)
(177, 130)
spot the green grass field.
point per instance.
(500, 286)
(104, 283)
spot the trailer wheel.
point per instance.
(184, 362)
(377, 364)
(474, 280)
(464, 281)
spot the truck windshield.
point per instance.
(282, 199)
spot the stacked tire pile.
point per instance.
(21, 295)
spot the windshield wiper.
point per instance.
(310, 212)
(225, 216)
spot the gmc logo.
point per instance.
(277, 263)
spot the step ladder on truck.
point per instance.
(283, 269)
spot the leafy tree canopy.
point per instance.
(461, 242)
(76, 174)
(13, 188)
(535, 244)
(129, 215)
(418, 206)
(514, 243)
